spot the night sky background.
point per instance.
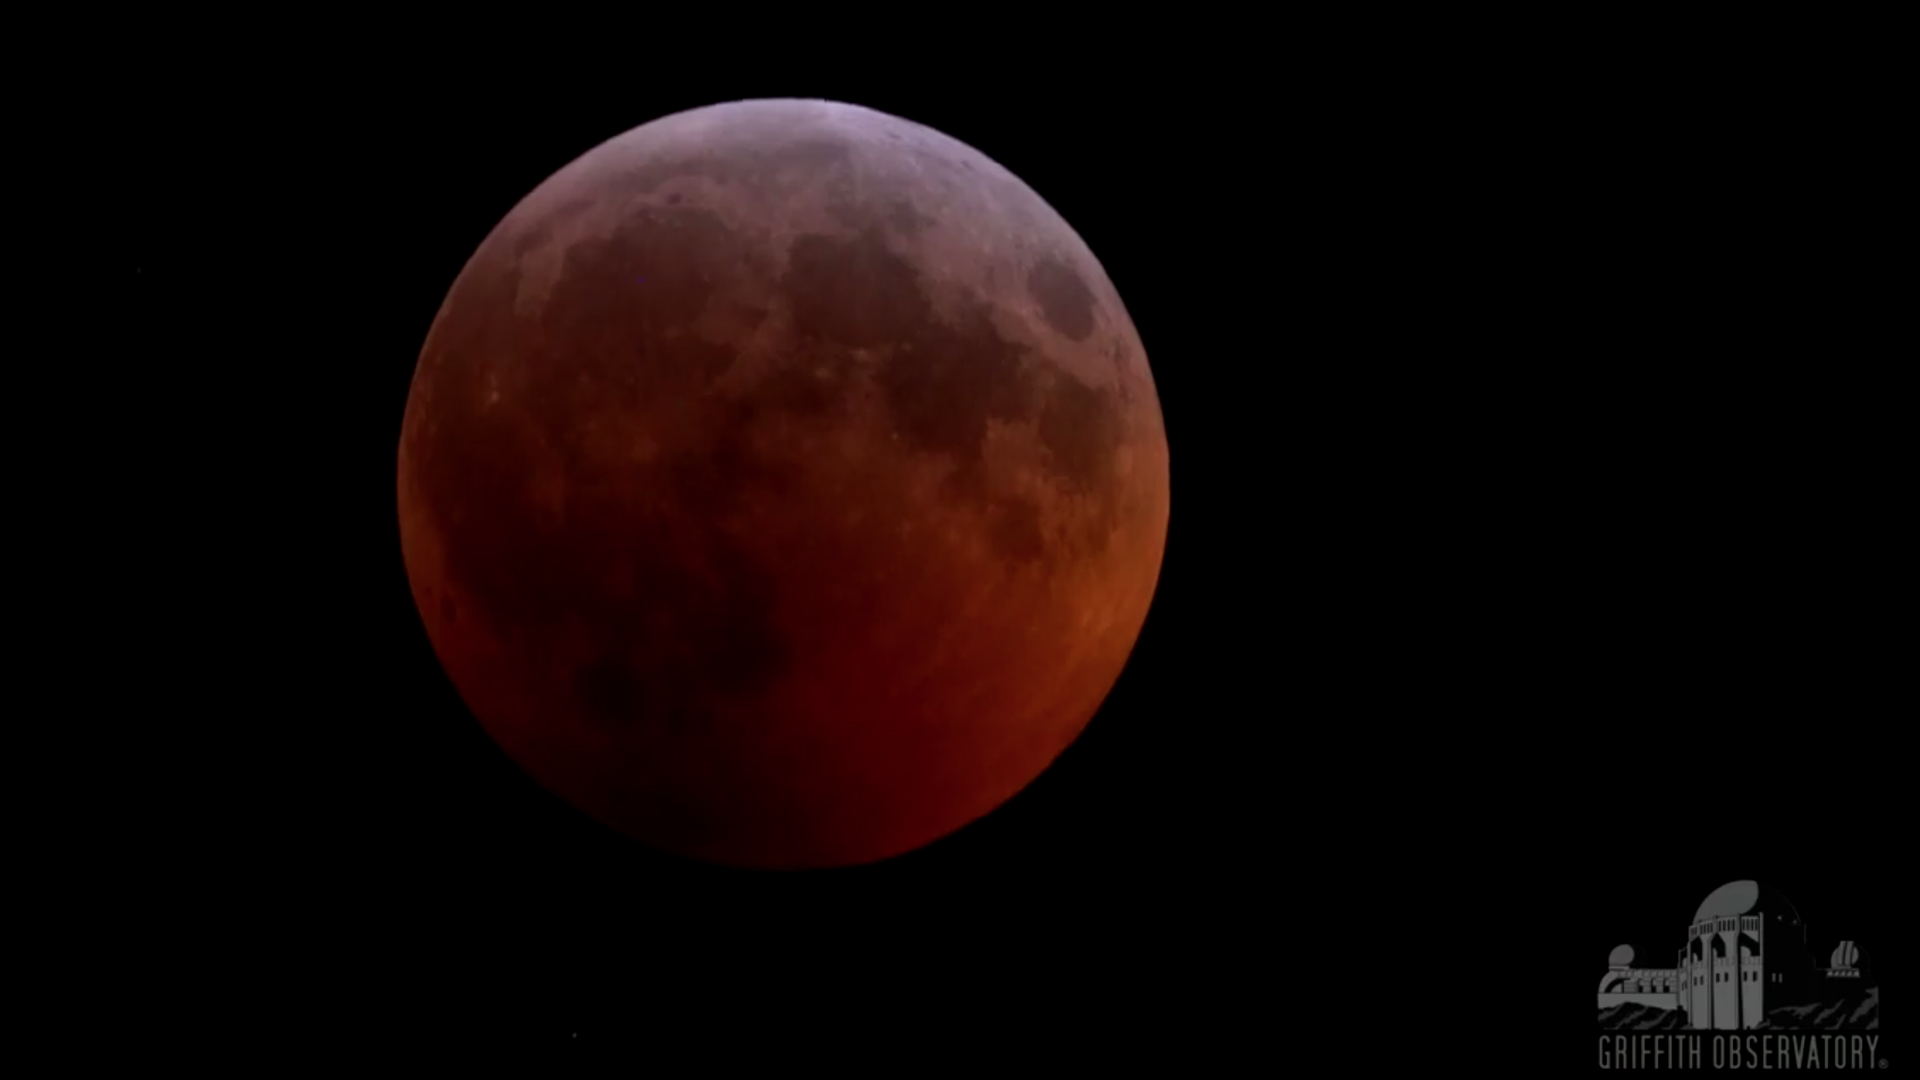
(1521, 431)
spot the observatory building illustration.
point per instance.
(1746, 954)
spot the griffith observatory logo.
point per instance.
(1744, 991)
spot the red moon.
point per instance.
(783, 484)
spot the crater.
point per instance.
(945, 382)
(1081, 429)
(725, 463)
(540, 233)
(616, 328)
(1065, 301)
(854, 292)
(906, 219)
(554, 533)
(1014, 531)
(691, 634)
(942, 380)
(813, 384)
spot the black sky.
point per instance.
(1521, 556)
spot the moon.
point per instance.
(783, 484)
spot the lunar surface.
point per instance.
(783, 484)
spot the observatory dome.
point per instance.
(1745, 897)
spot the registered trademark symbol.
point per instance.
(1883, 1063)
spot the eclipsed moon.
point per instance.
(783, 484)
